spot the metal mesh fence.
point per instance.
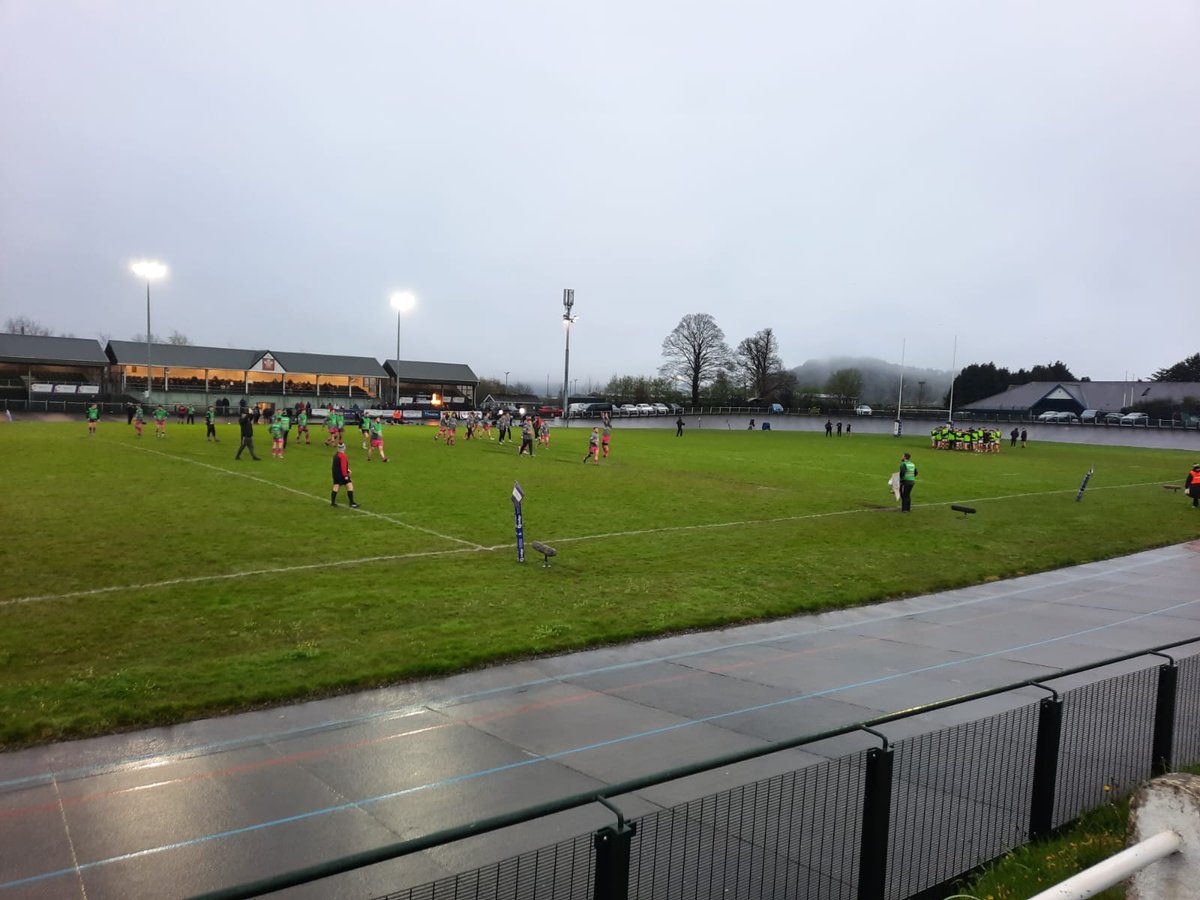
(563, 870)
(960, 797)
(1187, 713)
(1107, 733)
(794, 836)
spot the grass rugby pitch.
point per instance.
(150, 581)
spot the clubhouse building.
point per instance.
(34, 367)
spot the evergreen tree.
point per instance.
(1187, 370)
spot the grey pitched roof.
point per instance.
(326, 364)
(1102, 395)
(510, 398)
(431, 372)
(133, 353)
(188, 357)
(36, 348)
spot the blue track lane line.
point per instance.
(385, 714)
(550, 757)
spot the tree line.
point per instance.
(26, 325)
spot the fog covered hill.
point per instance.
(881, 379)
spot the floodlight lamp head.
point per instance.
(403, 301)
(148, 269)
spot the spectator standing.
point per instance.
(679, 427)
(908, 478)
(1024, 436)
(191, 414)
(1192, 483)
(828, 428)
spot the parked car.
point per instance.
(1113, 418)
(661, 409)
(1135, 418)
(1089, 416)
(549, 412)
(775, 408)
(1059, 417)
(674, 409)
(645, 409)
(628, 409)
(863, 410)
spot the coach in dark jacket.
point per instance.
(247, 423)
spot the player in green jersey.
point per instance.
(376, 438)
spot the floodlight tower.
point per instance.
(402, 302)
(568, 321)
(150, 270)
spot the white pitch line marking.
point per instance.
(365, 512)
(477, 548)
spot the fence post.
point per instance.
(612, 845)
(1045, 767)
(1164, 719)
(876, 821)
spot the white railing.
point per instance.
(1115, 869)
(1164, 863)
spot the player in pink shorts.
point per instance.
(376, 439)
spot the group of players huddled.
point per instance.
(955, 437)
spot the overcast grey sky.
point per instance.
(1020, 174)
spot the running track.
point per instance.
(171, 812)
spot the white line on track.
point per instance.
(479, 548)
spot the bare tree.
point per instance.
(26, 325)
(695, 352)
(179, 340)
(757, 361)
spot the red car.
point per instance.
(550, 411)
